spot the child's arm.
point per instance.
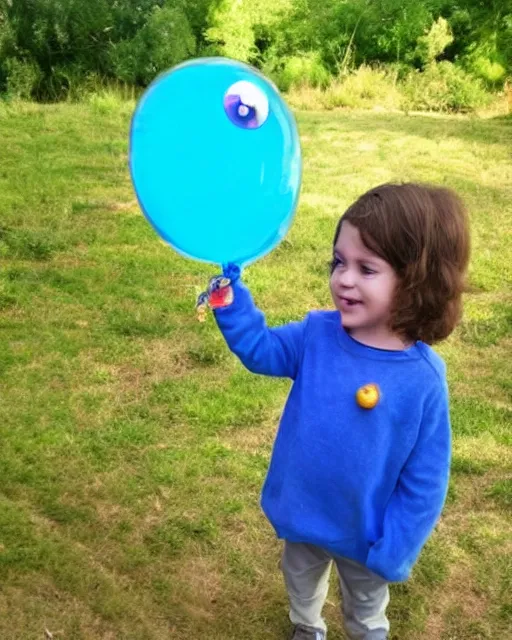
(270, 351)
(418, 499)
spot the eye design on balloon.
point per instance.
(246, 105)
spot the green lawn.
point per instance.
(133, 445)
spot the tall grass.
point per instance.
(441, 87)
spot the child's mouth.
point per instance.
(349, 302)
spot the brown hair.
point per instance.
(422, 231)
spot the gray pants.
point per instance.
(365, 595)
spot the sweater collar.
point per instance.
(348, 343)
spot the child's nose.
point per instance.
(346, 278)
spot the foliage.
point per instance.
(68, 39)
(431, 45)
(242, 29)
(231, 30)
(49, 48)
(486, 62)
(484, 26)
(443, 86)
(22, 77)
(360, 31)
(365, 88)
(163, 41)
(297, 71)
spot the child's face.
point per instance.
(362, 287)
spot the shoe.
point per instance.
(301, 632)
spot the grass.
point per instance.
(134, 445)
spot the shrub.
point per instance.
(443, 86)
(165, 40)
(432, 44)
(22, 78)
(485, 62)
(65, 82)
(491, 71)
(230, 32)
(366, 87)
(293, 72)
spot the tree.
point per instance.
(164, 40)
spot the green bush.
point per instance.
(365, 87)
(165, 40)
(230, 32)
(49, 49)
(66, 82)
(432, 44)
(305, 70)
(491, 71)
(22, 78)
(443, 86)
(485, 62)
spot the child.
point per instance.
(360, 465)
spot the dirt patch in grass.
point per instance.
(482, 372)
(473, 531)
(46, 609)
(158, 360)
(483, 449)
(254, 439)
(459, 592)
(201, 582)
(122, 206)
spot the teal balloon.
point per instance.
(215, 161)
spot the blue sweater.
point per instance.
(367, 484)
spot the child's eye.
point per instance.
(367, 271)
(335, 262)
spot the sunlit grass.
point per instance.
(134, 445)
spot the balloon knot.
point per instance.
(231, 271)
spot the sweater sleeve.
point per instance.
(418, 499)
(269, 351)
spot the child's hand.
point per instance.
(219, 293)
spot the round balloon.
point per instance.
(215, 161)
